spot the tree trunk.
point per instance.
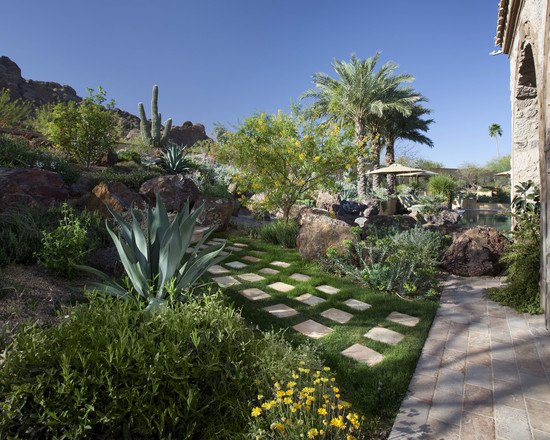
(390, 159)
(376, 146)
(360, 134)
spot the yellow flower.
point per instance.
(336, 389)
(287, 400)
(322, 411)
(289, 392)
(316, 158)
(260, 396)
(297, 143)
(291, 384)
(338, 422)
(325, 368)
(280, 393)
(256, 411)
(278, 427)
(312, 433)
(351, 437)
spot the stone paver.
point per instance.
(309, 299)
(280, 264)
(300, 277)
(281, 287)
(384, 335)
(241, 245)
(312, 329)
(269, 271)
(251, 277)
(254, 294)
(483, 372)
(365, 355)
(226, 281)
(357, 305)
(337, 315)
(236, 265)
(329, 290)
(216, 269)
(252, 259)
(281, 311)
(258, 252)
(233, 248)
(403, 319)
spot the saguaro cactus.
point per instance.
(152, 136)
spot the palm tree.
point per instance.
(495, 130)
(360, 94)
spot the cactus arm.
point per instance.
(144, 127)
(155, 119)
(166, 134)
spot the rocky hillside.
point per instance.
(45, 92)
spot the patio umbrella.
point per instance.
(395, 168)
(504, 173)
(421, 173)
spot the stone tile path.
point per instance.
(281, 287)
(309, 299)
(312, 329)
(281, 311)
(484, 372)
(328, 289)
(254, 294)
(251, 277)
(251, 259)
(384, 335)
(363, 354)
(280, 264)
(269, 271)
(337, 315)
(236, 264)
(357, 305)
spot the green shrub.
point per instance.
(188, 372)
(134, 179)
(278, 232)
(215, 189)
(445, 186)
(174, 159)
(12, 112)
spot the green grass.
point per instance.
(376, 391)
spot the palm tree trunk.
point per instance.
(390, 159)
(496, 140)
(360, 133)
(376, 146)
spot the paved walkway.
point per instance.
(484, 372)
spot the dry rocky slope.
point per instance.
(45, 92)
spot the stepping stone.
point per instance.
(310, 300)
(329, 290)
(281, 287)
(312, 329)
(236, 265)
(226, 281)
(252, 259)
(233, 248)
(281, 311)
(363, 354)
(300, 277)
(217, 269)
(384, 335)
(251, 277)
(241, 245)
(258, 252)
(203, 246)
(269, 271)
(403, 319)
(220, 240)
(254, 294)
(223, 253)
(337, 315)
(279, 263)
(357, 305)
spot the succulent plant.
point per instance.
(151, 136)
(174, 159)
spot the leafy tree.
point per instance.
(445, 186)
(14, 111)
(499, 164)
(495, 130)
(84, 131)
(283, 156)
(360, 94)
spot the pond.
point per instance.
(499, 220)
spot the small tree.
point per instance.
(445, 186)
(12, 112)
(85, 131)
(283, 156)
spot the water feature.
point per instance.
(499, 220)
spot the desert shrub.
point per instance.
(347, 190)
(133, 179)
(215, 189)
(444, 186)
(278, 232)
(16, 152)
(174, 159)
(20, 236)
(187, 372)
(12, 111)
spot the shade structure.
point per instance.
(421, 173)
(504, 173)
(395, 168)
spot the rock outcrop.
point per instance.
(174, 191)
(217, 212)
(31, 187)
(319, 232)
(116, 196)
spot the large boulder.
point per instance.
(445, 217)
(116, 196)
(349, 210)
(31, 186)
(188, 133)
(217, 212)
(319, 232)
(174, 191)
(325, 200)
(476, 252)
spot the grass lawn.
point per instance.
(374, 391)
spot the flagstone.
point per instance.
(233, 248)
(226, 281)
(337, 315)
(269, 271)
(384, 335)
(254, 294)
(258, 252)
(357, 305)
(280, 264)
(221, 240)
(365, 355)
(252, 259)
(236, 265)
(251, 277)
(241, 245)
(309, 299)
(281, 287)
(300, 277)
(223, 253)
(328, 289)
(217, 269)
(281, 311)
(403, 319)
(312, 329)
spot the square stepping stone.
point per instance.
(269, 271)
(279, 264)
(363, 354)
(384, 335)
(329, 290)
(233, 248)
(258, 252)
(337, 315)
(300, 277)
(312, 329)
(252, 259)
(403, 319)
(357, 305)
(254, 294)
(310, 300)
(223, 253)
(221, 240)
(241, 245)
(217, 269)
(281, 287)
(225, 281)
(281, 311)
(236, 265)
(251, 277)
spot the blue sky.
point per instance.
(222, 60)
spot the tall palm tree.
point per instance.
(495, 130)
(360, 94)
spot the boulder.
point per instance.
(445, 217)
(476, 252)
(116, 196)
(349, 210)
(325, 200)
(319, 232)
(174, 191)
(402, 222)
(217, 212)
(31, 186)
(106, 260)
(188, 133)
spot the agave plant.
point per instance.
(173, 159)
(156, 261)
